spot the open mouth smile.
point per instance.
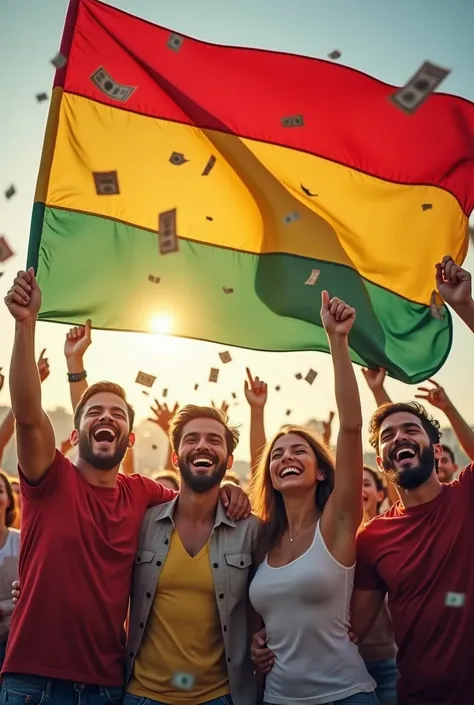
(290, 471)
(202, 462)
(104, 435)
(404, 453)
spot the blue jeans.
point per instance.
(385, 674)
(130, 699)
(35, 690)
(357, 699)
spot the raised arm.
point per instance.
(162, 416)
(343, 513)
(376, 383)
(77, 341)
(7, 426)
(438, 398)
(34, 433)
(256, 395)
(454, 285)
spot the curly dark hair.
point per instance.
(430, 425)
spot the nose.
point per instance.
(400, 436)
(106, 416)
(202, 444)
(287, 454)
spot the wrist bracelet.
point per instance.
(76, 376)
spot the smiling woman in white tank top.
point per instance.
(303, 585)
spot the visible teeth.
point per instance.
(407, 451)
(107, 434)
(290, 471)
(202, 461)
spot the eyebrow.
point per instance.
(98, 407)
(407, 424)
(195, 434)
(293, 447)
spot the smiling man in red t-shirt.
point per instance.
(80, 527)
(420, 552)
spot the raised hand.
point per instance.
(23, 299)
(77, 341)
(43, 366)
(162, 415)
(435, 395)
(453, 282)
(337, 317)
(255, 391)
(375, 378)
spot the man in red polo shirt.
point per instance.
(420, 552)
(80, 527)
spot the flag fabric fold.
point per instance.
(288, 174)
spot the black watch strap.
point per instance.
(76, 376)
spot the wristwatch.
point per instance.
(76, 376)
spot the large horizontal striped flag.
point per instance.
(287, 175)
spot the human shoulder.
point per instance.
(465, 479)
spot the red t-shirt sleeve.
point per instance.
(466, 478)
(157, 494)
(366, 576)
(51, 481)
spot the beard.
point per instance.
(102, 462)
(411, 478)
(203, 483)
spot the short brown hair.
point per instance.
(190, 412)
(430, 425)
(98, 388)
(11, 512)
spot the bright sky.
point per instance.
(387, 39)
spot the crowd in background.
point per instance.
(346, 584)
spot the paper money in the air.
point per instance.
(298, 375)
(40, 97)
(5, 250)
(335, 54)
(209, 166)
(110, 87)
(11, 190)
(455, 599)
(277, 388)
(291, 217)
(147, 394)
(311, 376)
(426, 206)
(419, 87)
(227, 291)
(153, 279)
(165, 393)
(177, 158)
(288, 412)
(214, 374)
(59, 61)
(225, 356)
(167, 235)
(154, 446)
(175, 42)
(292, 121)
(313, 277)
(196, 387)
(146, 380)
(106, 183)
(234, 395)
